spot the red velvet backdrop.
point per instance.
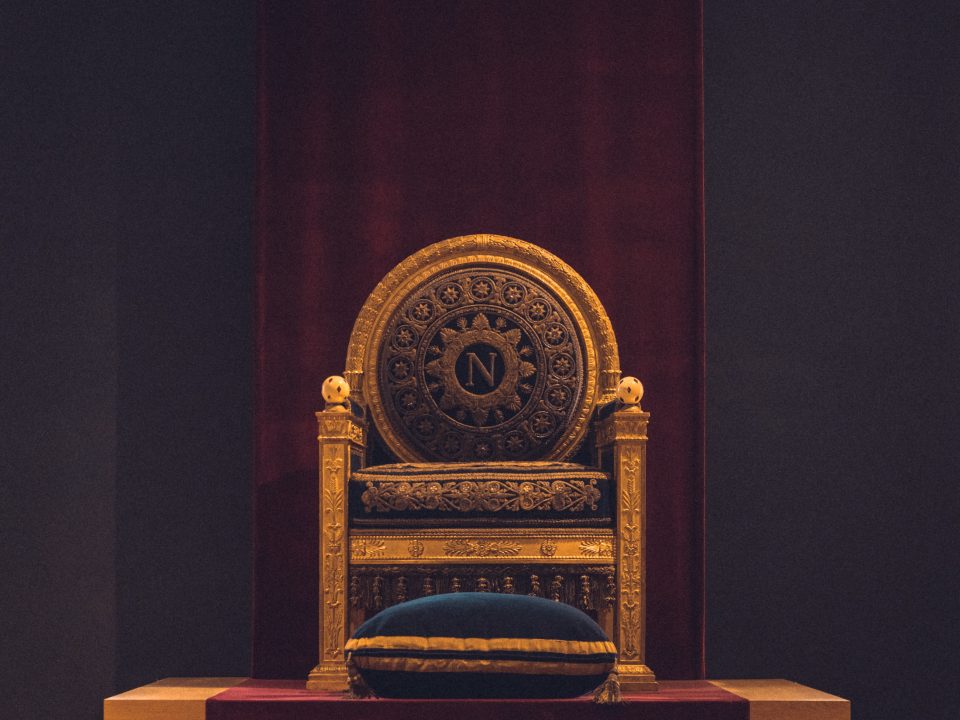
(387, 126)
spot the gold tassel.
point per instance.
(609, 692)
(357, 688)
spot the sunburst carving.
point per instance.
(506, 395)
(481, 363)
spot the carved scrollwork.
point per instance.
(340, 426)
(356, 434)
(583, 600)
(379, 586)
(481, 548)
(363, 548)
(610, 590)
(489, 496)
(535, 590)
(333, 570)
(631, 574)
(599, 548)
(556, 588)
(355, 598)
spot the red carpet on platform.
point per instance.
(289, 700)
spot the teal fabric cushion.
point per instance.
(481, 645)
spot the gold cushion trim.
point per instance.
(457, 665)
(468, 644)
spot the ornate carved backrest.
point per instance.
(482, 348)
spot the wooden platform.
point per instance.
(168, 699)
(785, 700)
(185, 699)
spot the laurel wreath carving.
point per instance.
(597, 548)
(489, 496)
(481, 548)
(363, 548)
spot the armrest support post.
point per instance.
(342, 444)
(621, 445)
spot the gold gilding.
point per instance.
(557, 545)
(521, 494)
(601, 356)
(467, 644)
(482, 665)
(364, 569)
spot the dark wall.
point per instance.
(833, 328)
(125, 301)
(58, 366)
(184, 328)
(127, 135)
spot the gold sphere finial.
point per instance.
(629, 391)
(335, 391)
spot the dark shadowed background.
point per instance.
(833, 321)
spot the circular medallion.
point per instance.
(481, 363)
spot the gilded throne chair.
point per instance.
(481, 440)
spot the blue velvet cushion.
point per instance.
(481, 645)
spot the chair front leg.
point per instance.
(622, 441)
(341, 440)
